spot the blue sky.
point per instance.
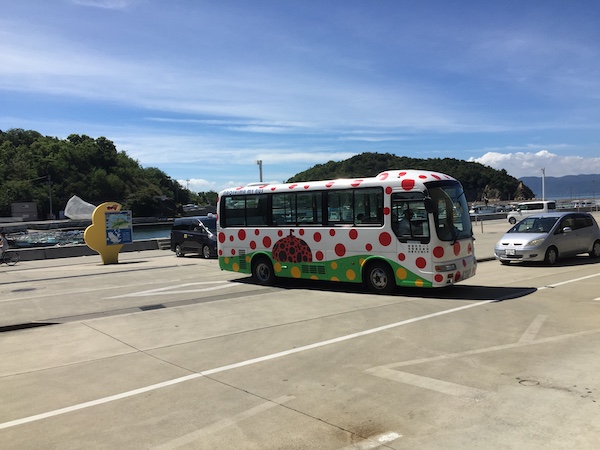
(204, 89)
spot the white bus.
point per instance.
(400, 228)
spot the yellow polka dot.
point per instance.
(296, 272)
(226, 260)
(235, 267)
(419, 283)
(362, 261)
(277, 267)
(335, 279)
(334, 265)
(401, 273)
(350, 274)
(314, 277)
(247, 259)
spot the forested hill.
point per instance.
(478, 180)
(49, 171)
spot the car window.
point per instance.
(567, 221)
(534, 225)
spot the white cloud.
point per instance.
(522, 164)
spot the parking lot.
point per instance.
(165, 352)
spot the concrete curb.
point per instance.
(70, 251)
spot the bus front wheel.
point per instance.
(380, 278)
(262, 270)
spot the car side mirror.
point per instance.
(567, 229)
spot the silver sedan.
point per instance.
(547, 237)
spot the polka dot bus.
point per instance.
(400, 228)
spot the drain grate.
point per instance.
(151, 307)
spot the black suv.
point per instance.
(195, 235)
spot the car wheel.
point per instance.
(262, 270)
(379, 278)
(206, 251)
(512, 220)
(179, 251)
(551, 256)
(595, 253)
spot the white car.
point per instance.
(547, 237)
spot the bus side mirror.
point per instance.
(429, 205)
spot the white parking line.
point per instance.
(533, 329)
(433, 384)
(178, 289)
(374, 441)
(248, 362)
(574, 280)
(219, 425)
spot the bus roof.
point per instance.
(408, 180)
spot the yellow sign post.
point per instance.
(110, 229)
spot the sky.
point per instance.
(203, 89)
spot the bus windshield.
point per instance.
(450, 211)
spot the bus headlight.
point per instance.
(445, 268)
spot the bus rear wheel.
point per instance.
(379, 278)
(262, 270)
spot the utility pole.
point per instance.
(543, 183)
(259, 162)
(50, 195)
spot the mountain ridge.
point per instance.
(568, 186)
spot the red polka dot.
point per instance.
(292, 186)
(279, 233)
(457, 276)
(306, 186)
(386, 211)
(257, 232)
(353, 234)
(421, 262)
(356, 183)
(231, 238)
(408, 184)
(267, 242)
(273, 188)
(438, 252)
(383, 176)
(332, 232)
(456, 248)
(385, 239)
(368, 247)
(401, 174)
(242, 235)
(220, 252)
(340, 250)
(317, 237)
(470, 249)
(253, 245)
(388, 190)
(422, 177)
(222, 237)
(329, 184)
(401, 256)
(439, 278)
(437, 177)
(233, 251)
(464, 263)
(319, 255)
(301, 232)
